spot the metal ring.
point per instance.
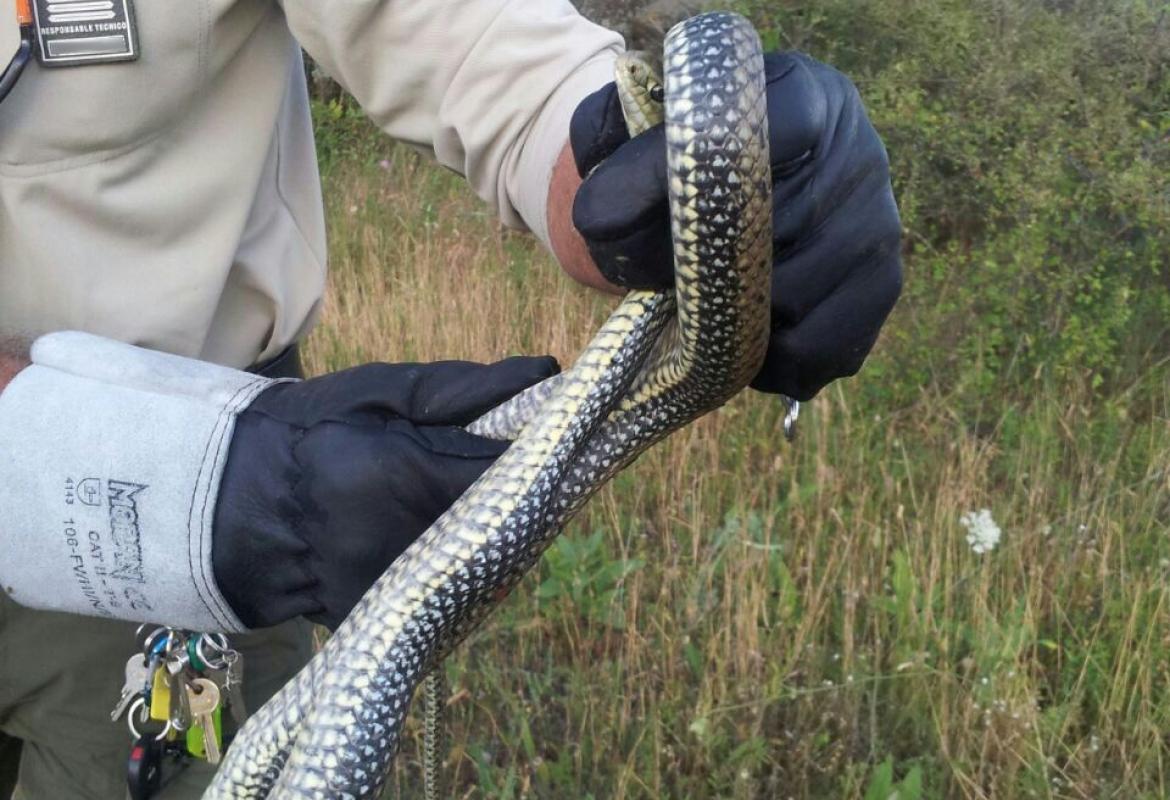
(141, 701)
(149, 642)
(217, 640)
(158, 647)
(220, 662)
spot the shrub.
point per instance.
(1030, 146)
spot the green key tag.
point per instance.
(195, 736)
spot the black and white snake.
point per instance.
(660, 361)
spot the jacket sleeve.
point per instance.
(487, 86)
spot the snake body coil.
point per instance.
(660, 361)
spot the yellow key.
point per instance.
(204, 701)
(160, 696)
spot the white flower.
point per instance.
(982, 532)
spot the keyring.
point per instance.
(141, 702)
(159, 647)
(175, 641)
(217, 640)
(220, 645)
(149, 642)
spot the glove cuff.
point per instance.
(109, 475)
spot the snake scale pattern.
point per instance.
(661, 360)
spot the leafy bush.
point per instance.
(1030, 146)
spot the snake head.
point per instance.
(640, 89)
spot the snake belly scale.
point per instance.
(661, 360)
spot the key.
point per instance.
(230, 696)
(180, 709)
(137, 673)
(144, 771)
(203, 695)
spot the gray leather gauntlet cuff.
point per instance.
(110, 463)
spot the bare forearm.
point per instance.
(567, 244)
(13, 358)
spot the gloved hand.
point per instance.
(194, 495)
(329, 480)
(837, 268)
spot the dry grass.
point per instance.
(756, 620)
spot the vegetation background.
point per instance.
(735, 617)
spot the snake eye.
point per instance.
(656, 94)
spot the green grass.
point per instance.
(735, 617)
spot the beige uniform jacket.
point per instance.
(174, 202)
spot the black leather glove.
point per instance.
(837, 268)
(329, 480)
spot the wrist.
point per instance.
(565, 241)
(13, 358)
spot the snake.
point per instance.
(661, 360)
